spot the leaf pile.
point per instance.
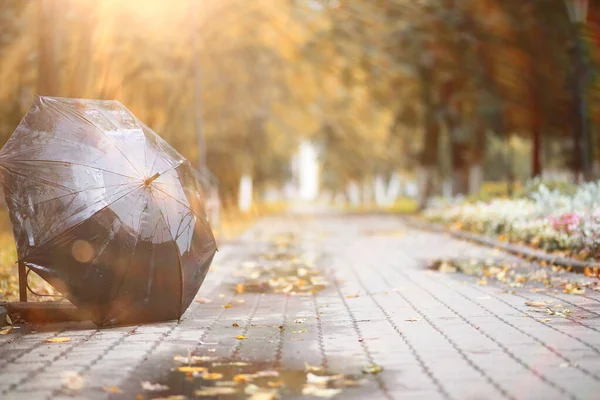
(537, 278)
(209, 377)
(281, 269)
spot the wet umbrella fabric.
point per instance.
(106, 211)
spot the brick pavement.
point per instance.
(437, 336)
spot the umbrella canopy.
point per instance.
(106, 211)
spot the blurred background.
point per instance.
(358, 103)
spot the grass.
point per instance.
(403, 205)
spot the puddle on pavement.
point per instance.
(281, 268)
(206, 377)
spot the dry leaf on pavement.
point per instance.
(316, 391)
(203, 300)
(211, 391)
(58, 340)
(112, 389)
(372, 369)
(153, 387)
(212, 376)
(72, 380)
(6, 330)
(537, 304)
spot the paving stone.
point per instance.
(437, 336)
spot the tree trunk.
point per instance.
(536, 149)
(245, 193)
(47, 84)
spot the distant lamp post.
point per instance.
(578, 12)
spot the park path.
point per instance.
(436, 335)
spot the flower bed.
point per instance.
(555, 220)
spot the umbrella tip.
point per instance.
(148, 181)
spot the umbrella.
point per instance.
(106, 211)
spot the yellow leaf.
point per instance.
(6, 330)
(413, 319)
(242, 378)
(302, 331)
(203, 300)
(239, 288)
(228, 305)
(112, 389)
(191, 369)
(58, 340)
(241, 337)
(212, 376)
(372, 369)
(352, 296)
(275, 384)
(212, 391)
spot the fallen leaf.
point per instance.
(193, 359)
(264, 394)
(242, 378)
(235, 325)
(300, 320)
(301, 331)
(6, 330)
(267, 374)
(322, 380)
(241, 301)
(311, 390)
(372, 369)
(221, 295)
(228, 305)
(58, 340)
(536, 304)
(112, 389)
(239, 288)
(172, 397)
(72, 380)
(153, 387)
(413, 319)
(211, 391)
(352, 296)
(8, 320)
(212, 376)
(312, 368)
(189, 369)
(241, 337)
(275, 384)
(203, 300)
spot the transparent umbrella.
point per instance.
(106, 211)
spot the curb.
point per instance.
(522, 251)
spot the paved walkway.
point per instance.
(436, 335)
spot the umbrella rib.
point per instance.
(82, 209)
(83, 117)
(81, 191)
(35, 178)
(178, 256)
(37, 248)
(141, 127)
(188, 207)
(78, 164)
